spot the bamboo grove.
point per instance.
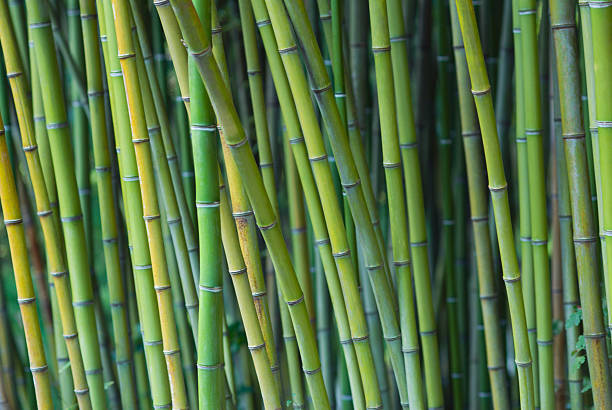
(287, 204)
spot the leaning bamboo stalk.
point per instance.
(129, 56)
(234, 136)
(146, 303)
(316, 153)
(481, 89)
(164, 161)
(23, 278)
(329, 235)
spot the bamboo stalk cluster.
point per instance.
(246, 204)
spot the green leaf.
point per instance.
(574, 318)
(580, 343)
(577, 362)
(586, 385)
(108, 384)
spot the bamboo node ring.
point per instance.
(319, 158)
(26, 301)
(58, 274)
(83, 303)
(161, 288)
(321, 242)
(296, 140)
(88, 16)
(162, 406)
(263, 23)
(401, 263)
(488, 297)
(477, 93)
(39, 369)
(70, 336)
(56, 125)
(428, 332)
(153, 130)
(562, 26)
(604, 124)
(161, 3)
(533, 132)
(594, 336)
(392, 338)
(342, 254)
(171, 352)
(41, 24)
(13, 221)
(410, 350)
(585, 240)
(174, 220)
(202, 53)
(544, 342)
(287, 50)
(383, 49)
(324, 17)
(79, 392)
(257, 347)
(209, 367)
(388, 165)
(396, 39)
(239, 143)
(42, 214)
(538, 242)
(30, 148)
(375, 267)
(345, 342)
(409, 145)
(93, 371)
(322, 89)
(360, 338)
(142, 267)
(267, 227)
(13, 74)
(523, 364)
(152, 343)
(295, 302)
(351, 184)
(526, 12)
(512, 280)
(211, 289)
(498, 189)
(71, 218)
(311, 372)
(238, 272)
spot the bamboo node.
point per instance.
(476, 219)
(162, 406)
(594, 335)
(42, 214)
(57, 125)
(360, 338)
(383, 49)
(351, 184)
(380, 406)
(323, 89)
(488, 297)
(263, 23)
(342, 254)
(563, 26)
(600, 4)
(39, 369)
(116, 305)
(544, 342)
(116, 73)
(39, 118)
(194, 249)
(92, 16)
(41, 24)
(238, 272)
(389, 165)
(161, 3)
(209, 367)
(296, 140)
(84, 191)
(477, 93)
(291, 337)
(428, 332)
(311, 372)
(396, 39)
(526, 12)
(529, 132)
(174, 220)
(324, 17)
(532, 330)
(296, 301)
(499, 188)
(211, 289)
(375, 267)
(142, 267)
(321, 242)
(110, 240)
(93, 94)
(153, 130)
(58, 274)
(418, 244)
(523, 364)
(265, 165)
(150, 217)
(171, 352)
(410, 350)
(458, 47)
(288, 50)
(26, 301)
(512, 280)
(256, 347)
(585, 240)
(345, 341)
(202, 53)
(409, 145)
(398, 264)
(298, 230)
(605, 232)
(525, 239)
(495, 368)
(161, 288)
(140, 140)
(538, 242)
(267, 227)
(239, 143)
(253, 72)
(80, 392)
(275, 368)
(392, 338)
(604, 124)
(152, 343)
(70, 336)
(83, 303)
(13, 74)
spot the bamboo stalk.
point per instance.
(481, 89)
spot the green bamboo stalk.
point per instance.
(601, 13)
(146, 302)
(441, 35)
(585, 232)
(329, 205)
(481, 90)
(235, 138)
(108, 211)
(5, 357)
(526, 250)
(129, 56)
(159, 134)
(587, 42)
(568, 268)
(205, 147)
(23, 278)
(70, 208)
(537, 200)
